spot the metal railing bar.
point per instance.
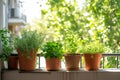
(39, 62)
(109, 54)
(105, 54)
(103, 61)
(81, 62)
(117, 62)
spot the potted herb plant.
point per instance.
(53, 53)
(27, 46)
(72, 57)
(7, 49)
(92, 53)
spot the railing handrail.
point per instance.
(105, 54)
(111, 54)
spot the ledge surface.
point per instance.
(42, 74)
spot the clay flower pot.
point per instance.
(92, 61)
(26, 62)
(72, 61)
(53, 64)
(13, 62)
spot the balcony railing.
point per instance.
(41, 61)
(111, 55)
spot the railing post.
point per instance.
(103, 61)
(117, 62)
(39, 61)
(81, 62)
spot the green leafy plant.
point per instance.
(71, 44)
(7, 47)
(93, 48)
(29, 41)
(53, 50)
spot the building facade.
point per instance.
(11, 16)
(16, 19)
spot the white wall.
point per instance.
(2, 13)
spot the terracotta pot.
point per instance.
(13, 62)
(72, 61)
(2, 66)
(92, 61)
(27, 63)
(53, 64)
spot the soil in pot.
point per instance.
(53, 64)
(72, 61)
(92, 61)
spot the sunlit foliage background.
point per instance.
(97, 20)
